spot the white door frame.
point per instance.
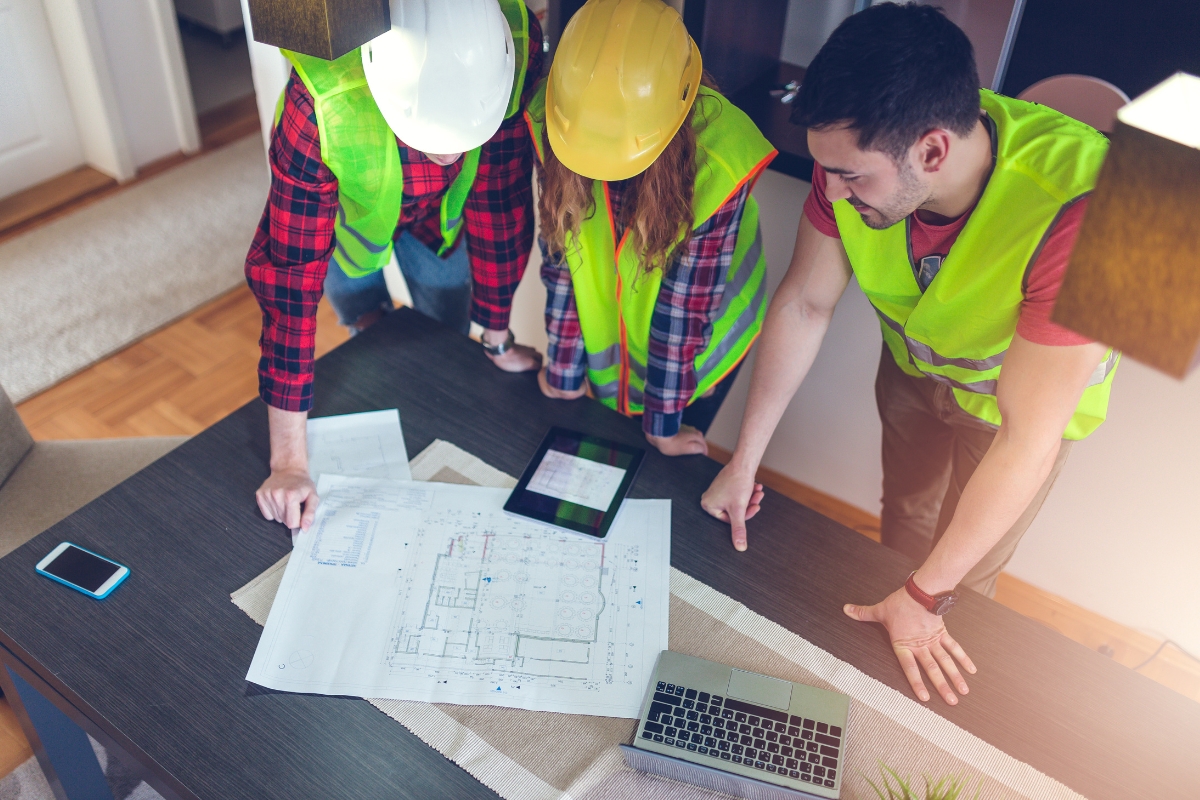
(76, 33)
(271, 72)
(170, 53)
(85, 67)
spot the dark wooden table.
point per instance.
(157, 670)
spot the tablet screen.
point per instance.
(575, 481)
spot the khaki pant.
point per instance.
(930, 450)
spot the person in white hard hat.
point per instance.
(405, 146)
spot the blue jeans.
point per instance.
(440, 287)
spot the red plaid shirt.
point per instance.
(290, 253)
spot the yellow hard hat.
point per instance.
(624, 77)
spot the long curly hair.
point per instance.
(657, 206)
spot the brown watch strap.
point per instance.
(937, 604)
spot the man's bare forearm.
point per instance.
(1038, 392)
(1002, 487)
(289, 439)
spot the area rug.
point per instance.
(506, 749)
(85, 285)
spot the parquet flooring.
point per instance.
(14, 748)
(176, 381)
(36, 201)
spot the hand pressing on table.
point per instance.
(687, 442)
(288, 495)
(921, 642)
(518, 357)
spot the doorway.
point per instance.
(213, 36)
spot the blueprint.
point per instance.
(427, 591)
(369, 445)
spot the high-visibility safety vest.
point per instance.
(958, 331)
(360, 149)
(615, 297)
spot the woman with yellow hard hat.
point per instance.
(652, 254)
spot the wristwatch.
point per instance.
(933, 603)
(499, 349)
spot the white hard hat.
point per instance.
(443, 74)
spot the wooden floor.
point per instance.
(14, 748)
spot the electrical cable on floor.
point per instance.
(1161, 647)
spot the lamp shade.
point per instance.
(322, 28)
(1134, 277)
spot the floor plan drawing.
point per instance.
(507, 606)
(431, 592)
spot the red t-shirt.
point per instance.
(1044, 279)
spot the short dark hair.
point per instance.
(892, 72)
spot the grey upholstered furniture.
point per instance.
(43, 482)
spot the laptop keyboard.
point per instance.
(732, 730)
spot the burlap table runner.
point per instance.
(544, 756)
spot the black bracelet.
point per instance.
(499, 349)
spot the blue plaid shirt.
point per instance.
(687, 306)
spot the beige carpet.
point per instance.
(86, 285)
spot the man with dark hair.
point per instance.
(956, 209)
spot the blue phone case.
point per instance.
(80, 589)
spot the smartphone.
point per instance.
(82, 570)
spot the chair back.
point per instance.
(15, 440)
(1090, 100)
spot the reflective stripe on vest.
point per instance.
(360, 149)
(616, 305)
(926, 354)
(958, 330)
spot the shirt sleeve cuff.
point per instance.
(285, 396)
(658, 424)
(564, 379)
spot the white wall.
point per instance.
(809, 23)
(1120, 533)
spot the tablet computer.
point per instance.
(576, 482)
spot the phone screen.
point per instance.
(81, 568)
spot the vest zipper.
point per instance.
(623, 374)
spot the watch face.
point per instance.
(944, 603)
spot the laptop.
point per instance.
(739, 732)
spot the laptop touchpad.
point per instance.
(755, 688)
